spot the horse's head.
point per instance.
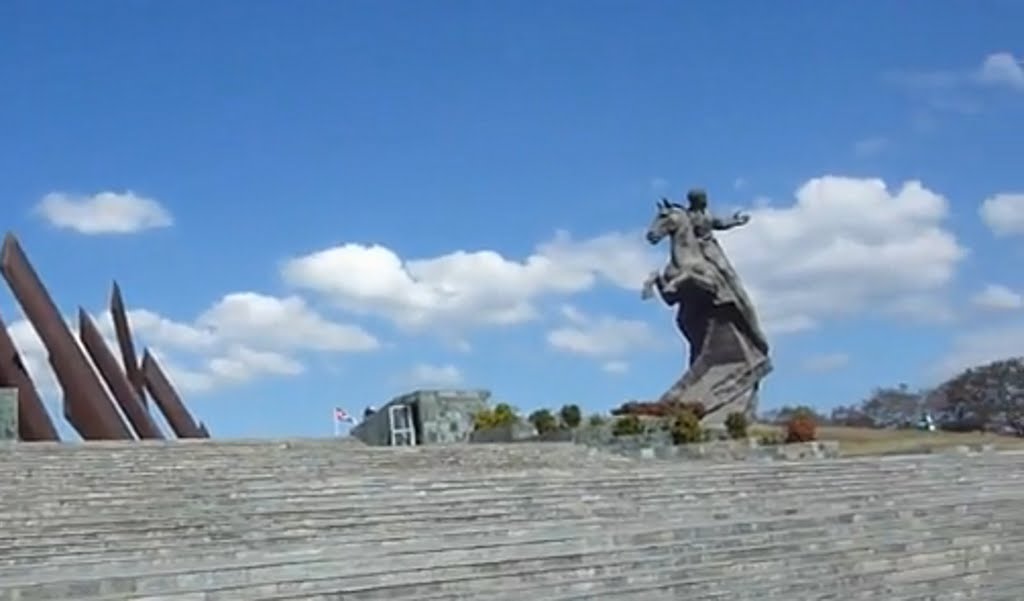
(668, 220)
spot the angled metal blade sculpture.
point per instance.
(167, 399)
(34, 421)
(116, 379)
(127, 346)
(86, 404)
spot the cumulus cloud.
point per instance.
(995, 297)
(844, 246)
(425, 374)
(104, 213)
(1002, 69)
(825, 362)
(465, 287)
(603, 336)
(242, 337)
(241, 364)
(1004, 214)
(282, 323)
(847, 245)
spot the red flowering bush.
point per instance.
(801, 428)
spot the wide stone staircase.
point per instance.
(329, 519)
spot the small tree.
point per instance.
(543, 420)
(736, 425)
(505, 414)
(596, 420)
(571, 416)
(500, 415)
(628, 425)
(686, 428)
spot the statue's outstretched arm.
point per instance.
(736, 220)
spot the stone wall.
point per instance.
(656, 443)
(518, 432)
(8, 414)
(447, 415)
(724, 450)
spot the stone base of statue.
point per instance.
(725, 374)
(725, 368)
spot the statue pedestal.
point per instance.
(725, 376)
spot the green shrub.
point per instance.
(686, 428)
(571, 416)
(628, 425)
(596, 420)
(736, 425)
(500, 415)
(694, 407)
(771, 439)
(543, 420)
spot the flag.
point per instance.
(340, 415)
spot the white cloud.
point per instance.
(845, 246)
(186, 379)
(1004, 214)
(995, 297)
(825, 362)
(242, 337)
(241, 364)
(603, 336)
(425, 374)
(281, 323)
(104, 213)
(615, 367)
(465, 288)
(1003, 69)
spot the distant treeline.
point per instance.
(985, 398)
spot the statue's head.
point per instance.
(667, 221)
(697, 198)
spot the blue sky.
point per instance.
(328, 203)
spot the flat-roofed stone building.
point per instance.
(423, 417)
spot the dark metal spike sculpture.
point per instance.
(86, 404)
(34, 421)
(167, 399)
(116, 379)
(127, 346)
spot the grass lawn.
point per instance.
(855, 442)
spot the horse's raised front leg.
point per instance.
(649, 285)
(672, 285)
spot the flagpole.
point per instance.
(337, 424)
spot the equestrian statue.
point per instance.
(728, 349)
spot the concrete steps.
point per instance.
(321, 520)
